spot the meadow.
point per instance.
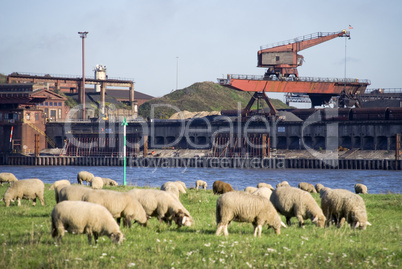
(26, 242)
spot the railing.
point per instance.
(48, 139)
(384, 90)
(301, 79)
(55, 76)
(299, 39)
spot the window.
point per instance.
(59, 103)
(28, 115)
(36, 116)
(277, 58)
(53, 114)
(46, 104)
(1, 116)
(59, 116)
(50, 103)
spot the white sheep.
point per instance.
(294, 202)
(341, 205)
(28, 189)
(119, 204)
(73, 193)
(244, 207)
(59, 182)
(109, 182)
(250, 189)
(201, 183)
(360, 188)
(79, 217)
(57, 191)
(318, 187)
(96, 183)
(266, 185)
(171, 187)
(7, 177)
(163, 205)
(283, 184)
(181, 186)
(307, 187)
(84, 176)
(264, 192)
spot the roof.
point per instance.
(122, 94)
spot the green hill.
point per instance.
(201, 96)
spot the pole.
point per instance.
(124, 150)
(83, 35)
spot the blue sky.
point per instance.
(212, 38)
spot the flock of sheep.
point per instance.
(96, 212)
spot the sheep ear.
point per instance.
(368, 223)
(283, 224)
(315, 219)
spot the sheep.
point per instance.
(283, 184)
(318, 187)
(339, 205)
(28, 189)
(163, 205)
(84, 176)
(250, 189)
(244, 207)
(360, 188)
(264, 192)
(181, 186)
(79, 217)
(96, 183)
(171, 187)
(307, 187)
(109, 182)
(294, 202)
(73, 193)
(7, 177)
(59, 182)
(201, 183)
(220, 187)
(57, 191)
(262, 184)
(120, 205)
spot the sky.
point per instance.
(164, 45)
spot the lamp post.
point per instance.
(83, 35)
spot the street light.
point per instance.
(83, 35)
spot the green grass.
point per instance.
(26, 242)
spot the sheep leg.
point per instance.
(34, 202)
(341, 222)
(301, 221)
(19, 201)
(288, 222)
(219, 229)
(42, 201)
(257, 229)
(225, 230)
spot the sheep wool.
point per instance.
(341, 205)
(7, 177)
(283, 184)
(96, 183)
(84, 176)
(244, 207)
(220, 187)
(109, 182)
(307, 187)
(201, 183)
(294, 202)
(57, 191)
(172, 188)
(28, 189)
(264, 192)
(266, 185)
(79, 217)
(119, 204)
(73, 193)
(59, 182)
(360, 188)
(250, 189)
(181, 186)
(318, 187)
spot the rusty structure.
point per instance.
(282, 59)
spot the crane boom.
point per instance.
(282, 59)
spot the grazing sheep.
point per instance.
(323, 191)
(339, 205)
(181, 186)
(84, 176)
(201, 183)
(59, 182)
(28, 189)
(57, 191)
(220, 187)
(109, 182)
(79, 217)
(266, 185)
(73, 193)
(119, 204)
(360, 188)
(96, 183)
(171, 187)
(7, 177)
(250, 189)
(264, 192)
(307, 187)
(294, 202)
(163, 205)
(318, 187)
(283, 184)
(244, 207)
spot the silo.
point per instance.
(100, 73)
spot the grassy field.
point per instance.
(26, 241)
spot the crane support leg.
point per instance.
(260, 95)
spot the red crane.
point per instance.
(282, 60)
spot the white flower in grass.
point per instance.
(249, 265)
(104, 254)
(271, 250)
(157, 240)
(207, 245)
(304, 238)
(330, 253)
(344, 255)
(285, 248)
(131, 264)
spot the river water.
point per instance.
(377, 181)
